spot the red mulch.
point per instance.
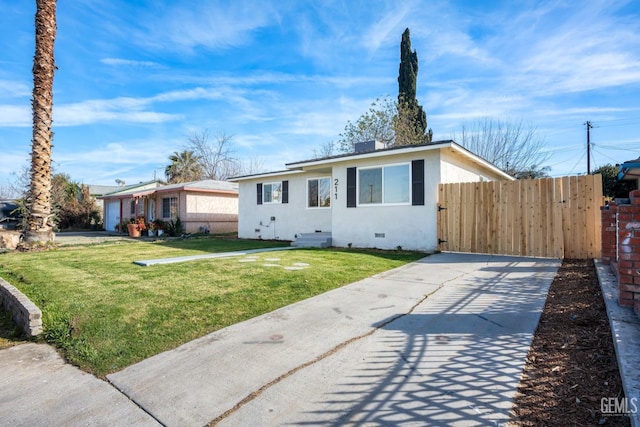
(572, 363)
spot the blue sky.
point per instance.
(137, 78)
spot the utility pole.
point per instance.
(589, 126)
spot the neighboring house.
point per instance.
(202, 206)
(381, 198)
(630, 171)
(9, 217)
(116, 210)
(97, 191)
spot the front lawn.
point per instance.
(106, 313)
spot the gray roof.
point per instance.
(99, 190)
(132, 187)
(297, 167)
(205, 184)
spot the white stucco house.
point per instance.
(376, 198)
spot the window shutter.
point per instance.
(259, 190)
(285, 191)
(351, 187)
(417, 182)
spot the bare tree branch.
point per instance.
(325, 150)
(514, 148)
(216, 157)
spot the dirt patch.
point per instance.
(10, 334)
(572, 363)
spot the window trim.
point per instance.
(307, 198)
(177, 209)
(264, 189)
(382, 203)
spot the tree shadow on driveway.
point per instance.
(456, 358)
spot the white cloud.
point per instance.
(14, 89)
(15, 116)
(126, 110)
(387, 28)
(189, 25)
(130, 63)
(572, 49)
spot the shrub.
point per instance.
(174, 228)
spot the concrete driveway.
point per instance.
(438, 341)
(88, 237)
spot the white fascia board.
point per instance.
(463, 151)
(265, 175)
(373, 154)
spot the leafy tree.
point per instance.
(393, 123)
(72, 204)
(411, 121)
(184, 167)
(39, 219)
(512, 147)
(611, 187)
(406, 131)
(376, 124)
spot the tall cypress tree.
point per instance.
(412, 120)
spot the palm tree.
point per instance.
(185, 166)
(39, 219)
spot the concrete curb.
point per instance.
(148, 262)
(625, 328)
(25, 313)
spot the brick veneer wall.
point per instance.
(621, 247)
(25, 314)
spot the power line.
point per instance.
(618, 125)
(604, 155)
(574, 166)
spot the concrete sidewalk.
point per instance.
(37, 388)
(442, 340)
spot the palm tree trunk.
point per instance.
(39, 222)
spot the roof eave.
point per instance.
(460, 149)
(265, 175)
(370, 154)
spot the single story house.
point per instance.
(630, 171)
(202, 206)
(97, 191)
(374, 197)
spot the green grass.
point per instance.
(106, 313)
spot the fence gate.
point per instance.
(549, 217)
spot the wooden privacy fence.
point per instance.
(549, 217)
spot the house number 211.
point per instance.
(335, 187)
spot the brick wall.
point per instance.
(25, 313)
(621, 247)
